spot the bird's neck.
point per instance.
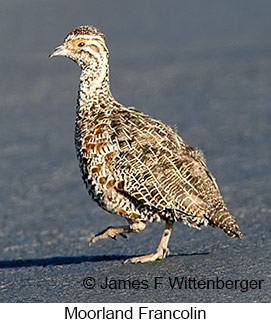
(94, 89)
(93, 96)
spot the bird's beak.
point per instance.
(59, 51)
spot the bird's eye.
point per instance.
(81, 44)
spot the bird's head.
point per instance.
(86, 46)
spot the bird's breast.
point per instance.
(95, 152)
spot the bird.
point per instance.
(133, 165)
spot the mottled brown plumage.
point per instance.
(132, 164)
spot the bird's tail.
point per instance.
(225, 221)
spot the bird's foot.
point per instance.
(110, 232)
(159, 254)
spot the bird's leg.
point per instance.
(112, 232)
(162, 250)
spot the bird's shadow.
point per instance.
(59, 261)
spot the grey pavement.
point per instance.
(203, 66)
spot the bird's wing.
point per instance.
(158, 169)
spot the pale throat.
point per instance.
(94, 81)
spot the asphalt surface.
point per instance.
(201, 65)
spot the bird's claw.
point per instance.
(108, 233)
(124, 236)
(159, 254)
